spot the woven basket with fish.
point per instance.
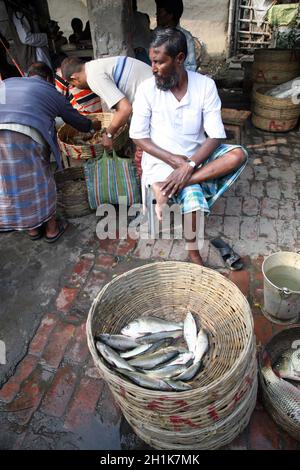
(72, 197)
(82, 146)
(279, 370)
(175, 343)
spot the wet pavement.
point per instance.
(51, 395)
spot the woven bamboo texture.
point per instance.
(275, 66)
(72, 197)
(280, 343)
(273, 125)
(86, 151)
(223, 397)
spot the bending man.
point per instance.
(27, 137)
(114, 79)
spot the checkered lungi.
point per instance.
(27, 186)
(203, 196)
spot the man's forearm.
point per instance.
(147, 145)
(120, 117)
(206, 149)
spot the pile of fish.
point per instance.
(86, 138)
(287, 366)
(155, 353)
(283, 395)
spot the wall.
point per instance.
(205, 19)
(64, 11)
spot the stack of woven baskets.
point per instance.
(72, 196)
(273, 67)
(223, 397)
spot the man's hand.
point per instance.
(177, 180)
(107, 142)
(96, 125)
(177, 161)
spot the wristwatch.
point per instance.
(109, 135)
(192, 163)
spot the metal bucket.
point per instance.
(282, 301)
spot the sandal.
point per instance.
(38, 235)
(232, 259)
(62, 227)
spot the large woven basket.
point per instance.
(280, 343)
(83, 152)
(72, 197)
(223, 397)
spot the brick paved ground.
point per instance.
(55, 398)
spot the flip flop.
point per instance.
(37, 236)
(62, 227)
(232, 259)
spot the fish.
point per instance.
(119, 342)
(284, 365)
(178, 385)
(201, 345)
(112, 357)
(282, 394)
(147, 348)
(145, 381)
(148, 361)
(183, 359)
(150, 324)
(190, 372)
(296, 361)
(190, 332)
(167, 371)
(153, 337)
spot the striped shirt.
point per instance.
(84, 101)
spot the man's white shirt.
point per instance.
(176, 126)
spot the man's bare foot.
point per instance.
(194, 257)
(161, 200)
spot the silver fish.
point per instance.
(296, 361)
(151, 324)
(183, 359)
(201, 345)
(120, 342)
(178, 385)
(190, 372)
(190, 332)
(145, 381)
(166, 372)
(136, 351)
(148, 361)
(282, 394)
(143, 348)
(154, 337)
(112, 357)
(284, 366)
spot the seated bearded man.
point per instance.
(177, 123)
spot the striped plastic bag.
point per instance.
(109, 178)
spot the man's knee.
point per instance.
(239, 156)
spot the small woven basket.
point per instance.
(72, 197)
(223, 397)
(280, 343)
(85, 151)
